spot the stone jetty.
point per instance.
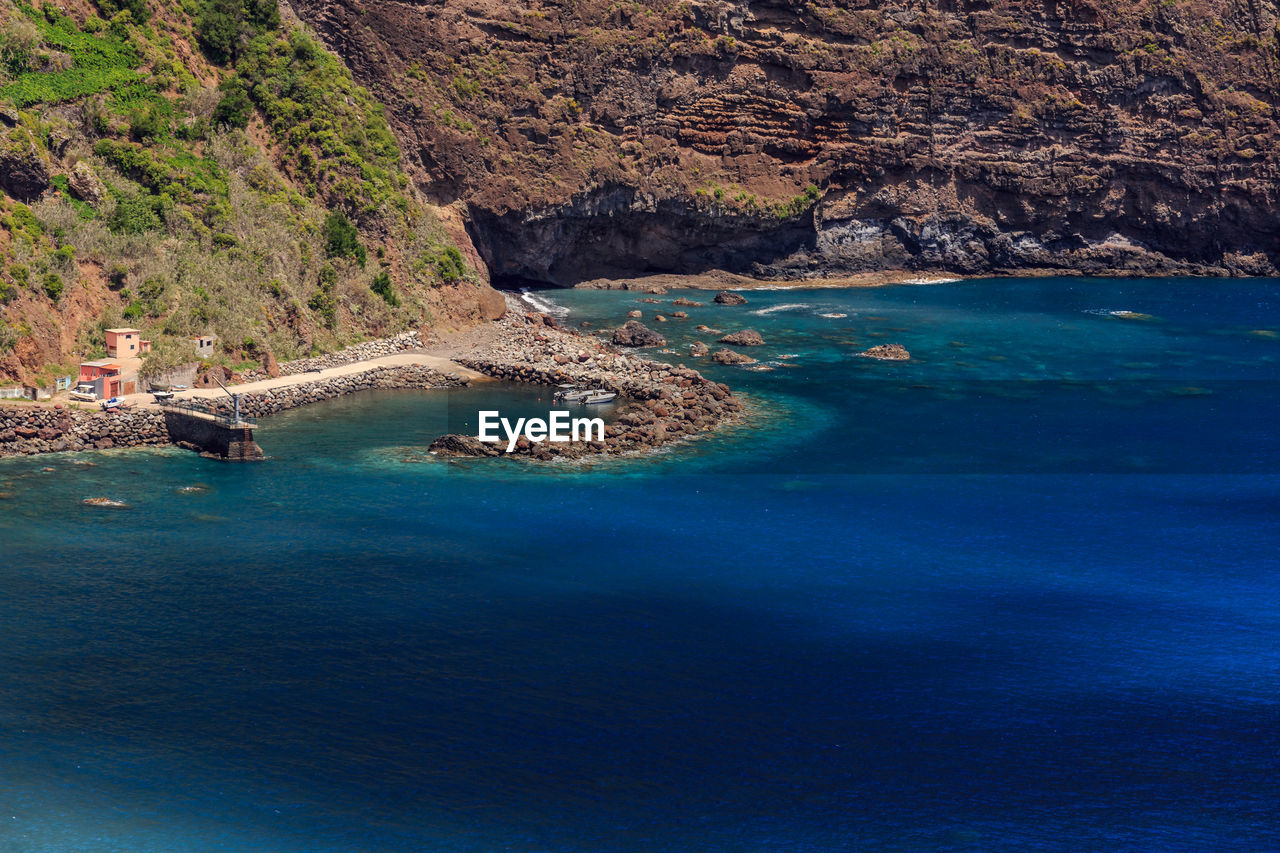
(261, 403)
(29, 428)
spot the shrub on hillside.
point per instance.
(341, 239)
(382, 286)
(134, 215)
(222, 25)
(450, 265)
(53, 286)
(137, 9)
(235, 109)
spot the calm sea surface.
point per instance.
(1019, 593)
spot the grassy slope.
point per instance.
(226, 170)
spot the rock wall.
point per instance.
(26, 429)
(183, 374)
(784, 139)
(357, 352)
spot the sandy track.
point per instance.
(424, 359)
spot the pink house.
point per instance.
(126, 343)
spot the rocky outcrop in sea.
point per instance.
(745, 338)
(887, 352)
(660, 403)
(633, 333)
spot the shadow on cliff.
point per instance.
(625, 233)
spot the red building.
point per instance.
(104, 376)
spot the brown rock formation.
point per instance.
(85, 185)
(745, 338)
(728, 356)
(24, 174)
(888, 352)
(788, 139)
(637, 334)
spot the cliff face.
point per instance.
(780, 138)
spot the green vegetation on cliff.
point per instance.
(199, 168)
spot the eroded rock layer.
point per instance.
(788, 139)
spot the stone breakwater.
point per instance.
(665, 403)
(41, 429)
(357, 352)
(28, 429)
(261, 403)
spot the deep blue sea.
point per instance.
(1021, 592)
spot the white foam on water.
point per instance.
(1112, 312)
(539, 303)
(835, 315)
(929, 280)
(790, 306)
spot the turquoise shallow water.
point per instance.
(1018, 593)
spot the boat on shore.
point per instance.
(599, 397)
(570, 393)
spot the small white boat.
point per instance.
(84, 393)
(599, 397)
(570, 394)
(113, 403)
(162, 396)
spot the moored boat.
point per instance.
(570, 393)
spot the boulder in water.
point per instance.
(745, 338)
(728, 356)
(888, 352)
(637, 334)
(728, 297)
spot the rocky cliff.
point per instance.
(793, 139)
